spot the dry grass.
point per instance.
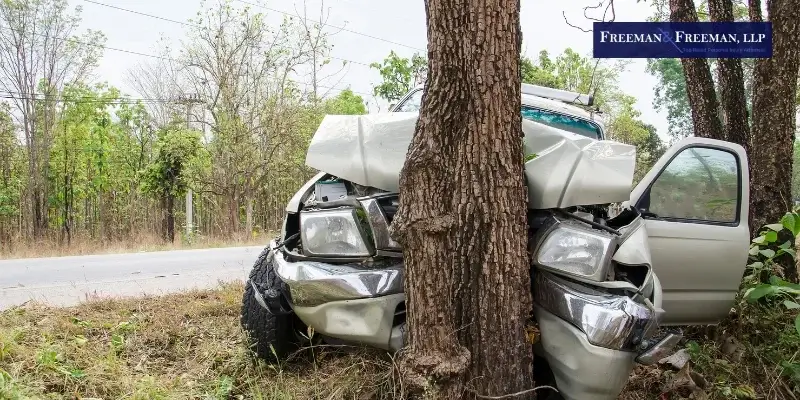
(183, 346)
(137, 243)
(753, 355)
(190, 346)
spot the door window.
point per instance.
(698, 184)
(412, 103)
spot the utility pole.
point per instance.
(189, 100)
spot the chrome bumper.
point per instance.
(592, 339)
(346, 302)
(610, 321)
(313, 283)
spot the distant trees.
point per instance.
(38, 57)
(81, 161)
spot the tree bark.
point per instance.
(249, 217)
(735, 125)
(774, 94)
(699, 83)
(462, 217)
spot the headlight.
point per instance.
(336, 232)
(576, 250)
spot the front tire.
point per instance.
(272, 337)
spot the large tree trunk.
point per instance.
(699, 83)
(462, 217)
(736, 127)
(774, 94)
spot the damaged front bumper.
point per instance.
(592, 339)
(347, 302)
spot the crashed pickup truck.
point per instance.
(607, 287)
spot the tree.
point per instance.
(462, 217)
(166, 176)
(627, 127)
(795, 172)
(573, 72)
(399, 75)
(241, 67)
(670, 95)
(10, 177)
(80, 160)
(38, 56)
(773, 104)
(346, 103)
(699, 83)
(541, 72)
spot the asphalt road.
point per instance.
(66, 281)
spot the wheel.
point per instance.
(272, 336)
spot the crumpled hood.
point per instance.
(568, 169)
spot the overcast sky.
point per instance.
(398, 21)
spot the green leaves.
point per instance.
(175, 149)
(791, 221)
(399, 75)
(759, 291)
(791, 305)
(763, 252)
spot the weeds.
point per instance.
(755, 353)
(136, 243)
(183, 346)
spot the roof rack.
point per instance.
(557, 94)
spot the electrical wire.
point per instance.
(102, 46)
(187, 24)
(25, 96)
(333, 26)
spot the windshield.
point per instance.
(560, 121)
(564, 122)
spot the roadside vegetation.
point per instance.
(133, 349)
(755, 353)
(142, 242)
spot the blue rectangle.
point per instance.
(682, 39)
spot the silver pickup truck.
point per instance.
(606, 287)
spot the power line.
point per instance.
(102, 46)
(332, 26)
(137, 12)
(187, 24)
(146, 55)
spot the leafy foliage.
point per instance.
(670, 95)
(399, 75)
(175, 149)
(767, 278)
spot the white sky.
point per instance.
(400, 21)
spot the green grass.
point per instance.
(183, 346)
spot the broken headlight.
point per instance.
(577, 250)
(338, 232)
